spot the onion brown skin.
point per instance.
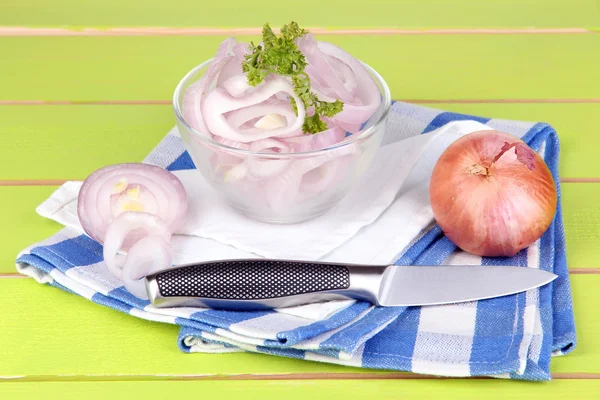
(490, 208)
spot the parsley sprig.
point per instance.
(281, 56)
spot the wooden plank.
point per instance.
(415, 67)
(300, 390)
(334, 13)
(69, 142)
(22, 225)
(582, 224)
(48, 333)
(581, 215)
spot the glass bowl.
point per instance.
(296, 186)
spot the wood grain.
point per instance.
(83, 69)
(161, 31)
(419, 14)
(450, 389)
(322, 376)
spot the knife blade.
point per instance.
(257, 284)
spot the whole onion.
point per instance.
(491, 194)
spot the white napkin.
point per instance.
(372, 225)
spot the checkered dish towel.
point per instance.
(509, 337)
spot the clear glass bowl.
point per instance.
(300, 185)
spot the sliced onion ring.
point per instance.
(321, 140)
(218, 102)
(95, 200)
(195, 94)
(366, 89)
(126, 231)
(239, 117)
(317, 59)
(150, 254)
(306, 176)
(262, 167)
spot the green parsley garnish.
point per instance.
(281, 56)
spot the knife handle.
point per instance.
(250, 284)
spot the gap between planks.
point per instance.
(195, 31)
(267, 377)
(168, 102)
(572, 271)
(58, 182)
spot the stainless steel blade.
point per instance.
(422, 286)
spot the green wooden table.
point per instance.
(84, 84)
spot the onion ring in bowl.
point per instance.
(305, 176)
(194, 96)
(219, 101)
(367, 93)
(321, 140)
(266, 167)
(317, 59)
(233, 66)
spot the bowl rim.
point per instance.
(362, 136)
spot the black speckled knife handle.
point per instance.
(249, 284)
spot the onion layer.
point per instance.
(491, 194)
(132, 208)
(126, 231)
(118, 188)
(151, 254)
(219, 101)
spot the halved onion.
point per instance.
(119, 188)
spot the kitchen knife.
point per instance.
(255, 284)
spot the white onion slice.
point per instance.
(219, 102)
(237, 118)
(233, 66)
(262, 167)
(237, 85)
(321, 140)
(366, 89)
(128, 229)
(349, 126)
(301, 177)
(195, 94)
(315, 57)
(231, 143)
(150, 254)
(164, 192)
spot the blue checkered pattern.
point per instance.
(508, 337)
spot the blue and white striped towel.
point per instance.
(509, 337)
